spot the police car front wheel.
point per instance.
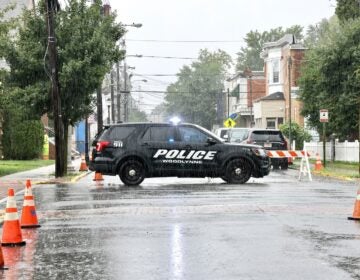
(238, 171)
(132, 173)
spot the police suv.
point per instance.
(136, 151)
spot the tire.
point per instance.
(284, 166)
(132, 173)
(275, 164)
(238, 171)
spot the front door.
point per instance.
(199, 156)
(159, 141)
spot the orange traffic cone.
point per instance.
(356, 214)
(318, 164)
(83, 166)
(98, 177)
(2, 262)
(11, 233)
(28, 215)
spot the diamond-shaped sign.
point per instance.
(229, 123)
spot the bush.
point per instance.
(297, 133)
(22, 139)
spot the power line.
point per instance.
(164, 91)
(167, 57)
(186, 41)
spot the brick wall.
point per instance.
(258, 85)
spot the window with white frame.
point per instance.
(275, 71)
(271, 123)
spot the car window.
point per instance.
(120, 132)
(192, 135)
(239, 135)
(272, 136)
(160, 134)
(223, 133)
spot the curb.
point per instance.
(80, 176)
(49, 181)
(62, 181)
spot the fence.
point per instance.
(335, 150)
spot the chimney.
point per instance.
(106, 8)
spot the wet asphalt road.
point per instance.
(170, 228)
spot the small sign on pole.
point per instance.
(229, 123)
(324, 118)
(324, 115)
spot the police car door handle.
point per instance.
(145, 144)
(187, 147)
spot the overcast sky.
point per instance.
(201, 20)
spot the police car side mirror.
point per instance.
(226, 138)
(211, 141)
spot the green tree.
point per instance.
(321, 32)
(249, 56)
(136, 115)
(86, 44)
(329, 80)
(347, 9)
(194, 95)
(298, 134)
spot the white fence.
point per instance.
(339, 151)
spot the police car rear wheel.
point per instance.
(132, 173)
(238, 171)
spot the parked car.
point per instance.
(270, 139)
(236, 134)
(135, 151)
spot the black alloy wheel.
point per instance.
(238, 171)
(132, 173)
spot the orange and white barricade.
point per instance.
(304, 164)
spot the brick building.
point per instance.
(243, 88)
(282, 65)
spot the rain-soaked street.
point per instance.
(170, 228)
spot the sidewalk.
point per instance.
(37, 176)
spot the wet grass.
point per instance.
(335, 169)
(12, 166)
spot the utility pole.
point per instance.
(251, 100)
(112, 96)
(99, 106)
(228, 102)
(248, 75)
(87, 140)
(118, 93)
(99, 103)
(289, 80)
(126, 97)
(51, 7)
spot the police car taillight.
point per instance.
(101, 145)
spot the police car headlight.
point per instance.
(259, 152)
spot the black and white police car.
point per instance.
(136, 151)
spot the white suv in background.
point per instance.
(236, 134)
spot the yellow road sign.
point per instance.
(229, 123)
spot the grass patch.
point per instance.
(336, 168)
(12, 166)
